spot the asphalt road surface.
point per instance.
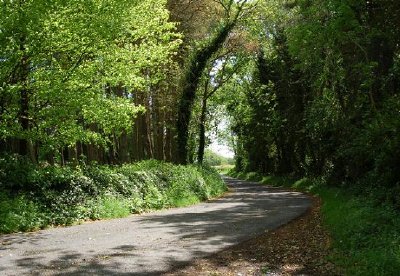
(152, 243)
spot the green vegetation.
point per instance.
(34, 197)
(214, 159)
(366, 234)
(220, 163)
(69, 69)
(307, 90)
(323, 97)
(319, 102)
(224, 169)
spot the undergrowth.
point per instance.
(34, 197)
(365, 232)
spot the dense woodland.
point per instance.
(322, 96)
(308, 88)
(107, 108)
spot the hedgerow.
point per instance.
(34, 197)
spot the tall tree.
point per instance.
(195, 67)
(221, 71)
(64, 59)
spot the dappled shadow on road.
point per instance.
(300, 247)
(73, 263)
(251, 209)
(178, 235)
(8, 242)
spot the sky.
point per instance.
(217, 145)
(221, 149)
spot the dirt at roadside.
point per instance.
(300, 247)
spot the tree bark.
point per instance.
(196, 67)
(22, 78)
(202, 130)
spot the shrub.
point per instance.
(15, 172)
(372, 155)
(64, 196)
(19, 214)
(366, 236)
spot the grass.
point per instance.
(19, 213)
(108, 207)
(185, 201)
(366, 235)
(47, 196)
(224, 169)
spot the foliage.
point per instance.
(375, 149)
(214, 159)
(311, 89)
(19, 214)
(365, 236)
(46, 196)
(196, 64)
(319, 98)
(65, 63)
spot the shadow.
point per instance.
(8, 241)
(73, 263)
(252, 208)
(287, 250)
(169, 239)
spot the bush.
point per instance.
(372, 155)
(15, 172)
(212, 159)
(110, 206)
(19, 214)
(42, 196)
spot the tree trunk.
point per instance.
(22, 78)
(202, 130)
(73, 155)
(147, 129)
(196, 67)
(123, 149)
(158, 128)
(138, 146)
(170, 142)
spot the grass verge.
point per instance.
(33, 197)
(365, 235)
(224, 169)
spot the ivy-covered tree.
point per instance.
(196, 64)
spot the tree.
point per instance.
(195, 67)
(320, 95)
(222, 70)
(75, 67)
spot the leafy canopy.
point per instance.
(81, 63)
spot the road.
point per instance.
(152, 243)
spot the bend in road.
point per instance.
(152, 243)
